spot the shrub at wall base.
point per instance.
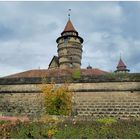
(57, 99)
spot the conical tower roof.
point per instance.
(121, 65)
(69, 27)
(71, 31)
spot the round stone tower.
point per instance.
(69, 47)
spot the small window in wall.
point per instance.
(74, 33)
(68, 33)
(66, 41)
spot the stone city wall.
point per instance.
(113, 104)
(119, 99)
(20, 104)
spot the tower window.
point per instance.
(66, 41)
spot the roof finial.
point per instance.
(120, 56)
(89, 67)
(69, 13)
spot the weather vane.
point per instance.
(69, 13)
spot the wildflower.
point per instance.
(65, 125)
(50, 133)
(74, 122)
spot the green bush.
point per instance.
(115, 76)
(76, 74)
(106, 121)
(70, 130)
(26, 130)
(98, 129)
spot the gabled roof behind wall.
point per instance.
(55, 72)
(55, 58)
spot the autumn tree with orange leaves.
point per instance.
(57, 99)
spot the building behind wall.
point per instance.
(69, 48)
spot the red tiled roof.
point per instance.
(69, 27)
(93, 71)
(55, 72)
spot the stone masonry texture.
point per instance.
(114, 99)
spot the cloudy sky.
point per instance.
(28, 32)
